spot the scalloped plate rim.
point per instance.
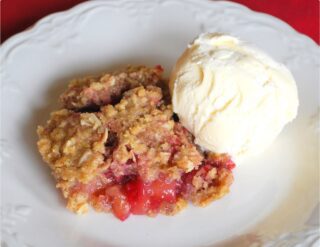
(83, 5)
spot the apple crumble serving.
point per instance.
(117, 146)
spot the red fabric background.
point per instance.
(303, 15)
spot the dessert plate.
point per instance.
(274, 200)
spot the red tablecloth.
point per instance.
(303, 15)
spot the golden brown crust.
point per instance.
(207, 193)
(137, 137)
(73, 145)
(210, 182)
(103, 90)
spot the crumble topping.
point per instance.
(130, 157)
(91, 92)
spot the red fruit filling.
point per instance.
(132, 195)
(119, 202)
(132, 156)
(147, 197)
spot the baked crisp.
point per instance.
(129, 156)
(91, 92)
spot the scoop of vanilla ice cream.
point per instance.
(234, 98)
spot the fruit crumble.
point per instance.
(116, 146)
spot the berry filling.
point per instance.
(118, 147)
(133, 195)
(147, 197)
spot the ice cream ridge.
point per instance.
(234, 98)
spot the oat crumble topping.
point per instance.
(130, 155)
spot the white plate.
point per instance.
(274, 194)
